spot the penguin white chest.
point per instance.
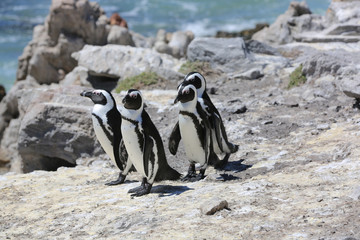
(131, 140)
(192, 143)
(105, 142)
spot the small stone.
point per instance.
(323, 127)
(242, 109)
(214, 205)
(268, 122)
(314, 132)
(355, 194)
(213, 91)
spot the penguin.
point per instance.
(143, 144)
(107, 126)
(220, 144)
(195, 130)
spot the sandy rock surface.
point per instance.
(292, 178)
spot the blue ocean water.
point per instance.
(203, 17)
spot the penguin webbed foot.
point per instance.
(190, 177)
(143, 189)
(222, 163)
(193, 177)
(191, 174)
(120, 180)
(140, 191)
(201, 175)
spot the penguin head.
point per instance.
(99, 96)
(186, 94)
(197, 80)
(133, 100)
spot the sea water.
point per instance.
(203, 17)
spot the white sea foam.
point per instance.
(189, 6)
(109, 9)
(10, 39)
(142, 6)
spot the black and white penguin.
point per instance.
(194, 129)
(107, 126)
(221, 145)
(143, 144)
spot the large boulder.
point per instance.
(321, 63)
(228, 52)
(296, 19)
(342, 12)
(52, 128)
(80, 18)
(47, 58)
(119, 35)
(56, 128)
(350, 83)
(174, 44)
(232, 56)
(116, 61)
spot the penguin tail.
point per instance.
(233, 147)
(167, 173)
(222, 163)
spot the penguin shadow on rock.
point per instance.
(231, 168)
(201, 127)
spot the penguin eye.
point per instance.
(134, 96)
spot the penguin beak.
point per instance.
(178, 97)
(86, 94)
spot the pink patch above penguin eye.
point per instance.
(133, 95)
(186, 91)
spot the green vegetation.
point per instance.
(196, 66)
(138, 81)
(297, 78)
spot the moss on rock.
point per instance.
(138, 81)
(297, 77)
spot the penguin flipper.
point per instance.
(174, 139)
(232, 147)
(207, 128)
(218, 126)
(147, 149)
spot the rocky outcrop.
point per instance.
(297, 24)
(233, 57)
(296, 19)
(2, 92)
(120, 62)
(47, 58)
(119, 35)
(47, 128)
(340, 12)
(116, 19)
(54, 131)
(174, 44)
(325, 46)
